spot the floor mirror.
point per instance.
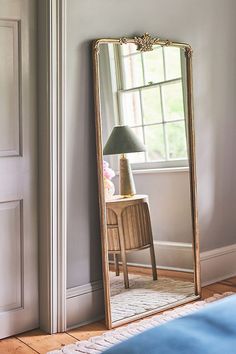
(146, 175)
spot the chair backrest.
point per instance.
(136, 227)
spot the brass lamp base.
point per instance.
(127, 186)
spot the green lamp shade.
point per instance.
(122, 141)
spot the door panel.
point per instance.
(18, 168)
(11, 255)
(9, 88)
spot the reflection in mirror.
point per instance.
(147, 185)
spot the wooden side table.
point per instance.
(129, 229)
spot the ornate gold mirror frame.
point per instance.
(144, 43)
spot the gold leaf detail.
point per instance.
(167, 43)
(188, 52)
(96, 46)
(123, 40)
(146, 42)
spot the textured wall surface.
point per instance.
(209, 26)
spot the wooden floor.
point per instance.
(37, 341)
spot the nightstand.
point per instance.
(129, 229)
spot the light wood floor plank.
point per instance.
(206, 293)
(91, 330)
(220, 288)
(230, 282)
(160, 272)
(14, 346)
(43, 342)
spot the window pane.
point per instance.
(173, 101)
(151, 103)
(132, 71)
(172, 63)
(176, 138)
(137, 156)
(128, 48)
(154, 139)
(131, 110)
(153, 66)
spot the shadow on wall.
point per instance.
(84, 245)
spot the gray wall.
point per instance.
(208, 25)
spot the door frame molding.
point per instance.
(52, 164)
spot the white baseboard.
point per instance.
(218, 264)
(169, 255)
(84, 289)
(84, 304)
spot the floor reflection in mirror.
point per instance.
(145, 294)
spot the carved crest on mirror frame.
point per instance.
(145, 42)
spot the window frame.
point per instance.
(167, 163)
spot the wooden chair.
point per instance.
(129, 229)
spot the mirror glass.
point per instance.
(149, 241)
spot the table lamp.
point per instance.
(123, 141)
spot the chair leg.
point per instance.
(116, 261)
(153, 261)
(152, 252)
(122, 253)
(125, 270)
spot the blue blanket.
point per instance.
(211, 330)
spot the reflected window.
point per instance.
(151, 100)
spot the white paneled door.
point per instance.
(18, 168)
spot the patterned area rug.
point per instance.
(98, 344)
(144, 294)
